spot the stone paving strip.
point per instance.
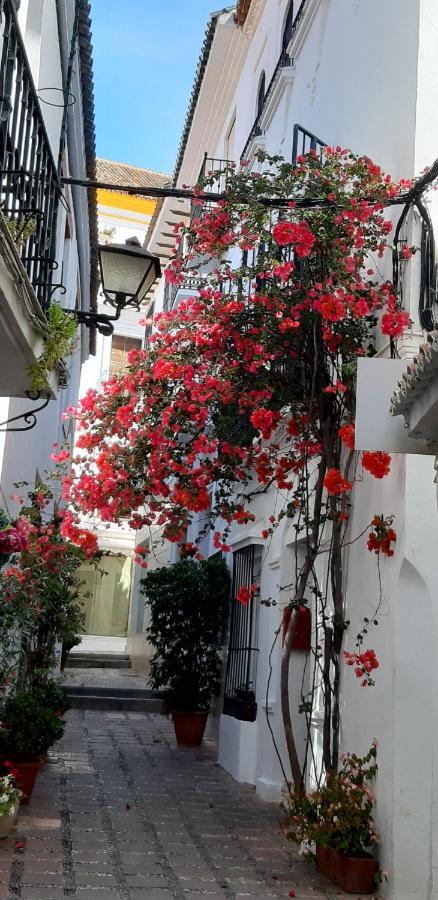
(120, 813)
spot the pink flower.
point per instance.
(61, 456)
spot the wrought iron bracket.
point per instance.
(29, 417)
(101, 321)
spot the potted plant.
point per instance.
(68, 642)
(31, 723)
(10, 797)
(337, 822)
(188, 607)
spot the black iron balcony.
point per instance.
(210, 167)
(30, 189)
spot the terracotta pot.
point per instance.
(26, 776)
(7, 823)
(354, 874)
(189, 727)
(326, 861)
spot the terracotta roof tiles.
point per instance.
(130, 176)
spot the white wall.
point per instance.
(364, 77)
(24, 454)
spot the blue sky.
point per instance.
(145, 55)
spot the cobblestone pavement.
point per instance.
(120, 812)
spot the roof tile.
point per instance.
(129, 176)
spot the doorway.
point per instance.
(105, 596)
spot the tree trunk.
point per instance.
(297, 775)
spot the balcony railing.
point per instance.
(304, 141)
(209, 167)
(30, 189)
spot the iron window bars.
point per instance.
(197, 210)
(241, 671)
(30, 189)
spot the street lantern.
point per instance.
(128, 272)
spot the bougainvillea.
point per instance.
(364, 664)
(249, 385)
(382, 535)
(38, 586)
(246, 594)
(377, 462)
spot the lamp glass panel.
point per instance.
(123, 273)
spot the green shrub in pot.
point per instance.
(30, 725)
(188, 605)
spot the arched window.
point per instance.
(261, 94)
(287, 31)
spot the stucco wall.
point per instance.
(364, 77)
(22, 455)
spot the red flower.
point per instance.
(298, 234)
(395, 322)
(330, 308)
(380, 539)
(264, 420)
(377, 462)
(335, 483)
(283, 271)
(347, 433)
(246, 594)
(336, 388)
(365, 663)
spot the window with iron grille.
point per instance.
(241, 672)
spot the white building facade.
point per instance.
(363, 75)
(47, 132)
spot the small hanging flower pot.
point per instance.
(302, 635)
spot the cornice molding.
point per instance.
(258, 142)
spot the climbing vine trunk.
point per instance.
(306, 569)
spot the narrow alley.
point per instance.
(120, 812)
